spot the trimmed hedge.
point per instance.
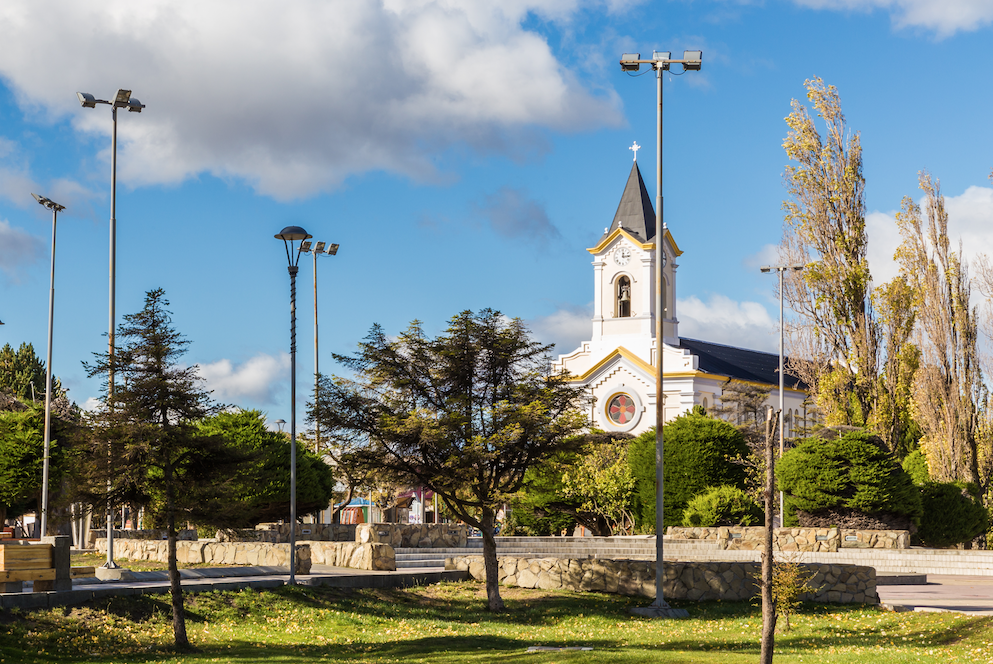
(846, 469)
(723, 506)
(953, 513)
(700, 452)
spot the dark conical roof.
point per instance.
(635, 213)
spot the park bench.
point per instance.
(46, 564)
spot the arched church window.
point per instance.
(623, 297)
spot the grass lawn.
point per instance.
(448, 624)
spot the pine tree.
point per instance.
(146, 447)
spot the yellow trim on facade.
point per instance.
(647, 246)
(623, 352)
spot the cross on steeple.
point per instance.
(634, 148)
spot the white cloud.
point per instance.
(970, 216)
(91, 405)
(722, 320)
(945, 17)
(257, 380)
(295, 97)
(767, 255)
(512, 213)
(17, 249)
(566, 328)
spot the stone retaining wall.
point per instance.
(212, 553)
(692, 581)
(416, 535)
(372, 556)
(280, 533)
(147, 534)
(752, 538)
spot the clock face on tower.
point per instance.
(622, 255)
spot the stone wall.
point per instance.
(692, 581)
(796, 539)
(416, 535)
(280, 533)
(212, 553)
(372, 556)
(147, 534)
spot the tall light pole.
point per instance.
(289, 235)
(317, 250)
(55, 208)
(122, 99)
(660, 62)
(782, 445)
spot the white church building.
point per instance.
(618, 362)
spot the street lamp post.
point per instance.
(289, 235)
(122, 99)
(782, 445)
(661, 61)
(317, 250)
(55, 208)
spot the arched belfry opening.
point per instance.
(623, 297)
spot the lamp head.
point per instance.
(86, 100)
(49, 203)
(289, 235)
(692, 60)
(332, 250)
(629, 62)
(122, 98)
(135, 106)
(305, 247)
(319, 248)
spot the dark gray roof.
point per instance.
(635, 213)
(740, 363)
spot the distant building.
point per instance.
(618, 362)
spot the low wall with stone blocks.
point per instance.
(417, 535)
(752, 538)
(693, 581)
(372, 556)
(212, 553)
(280, 533)
(147, 534)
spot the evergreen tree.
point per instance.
(146, 447)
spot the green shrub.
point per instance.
(953, 513)
(915, 465)
(723, 506)
(700, 452)
(849, 471)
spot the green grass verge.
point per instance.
(448, 624)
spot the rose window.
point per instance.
(621, 409)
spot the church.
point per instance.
(618, 363)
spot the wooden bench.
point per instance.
(22, 561)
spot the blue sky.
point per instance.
(463, 154)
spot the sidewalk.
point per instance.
(226, 578)
(972, 595)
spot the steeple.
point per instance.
(635, 213)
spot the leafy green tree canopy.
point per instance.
(953, 513)
(723, 506)
(465, 414)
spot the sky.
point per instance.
(464, 155)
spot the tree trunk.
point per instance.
(175, 587)
(490, 564)
(768, 606)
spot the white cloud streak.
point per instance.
(258, 380)
(17, 250)
(944, 17)
(295, 97)
(566, 328)
(723, 320)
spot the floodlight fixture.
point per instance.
(122, 98)
(305, 247)
(332, 250)
(319, 249)
(631, 62)
(49, 203)
(661, 56)
(86, 100)
(692, 60)
(135, 106)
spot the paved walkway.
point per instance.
(972, 595)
